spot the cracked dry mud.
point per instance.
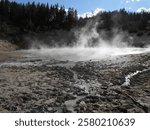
(46, 85)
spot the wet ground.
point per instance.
(42, 84)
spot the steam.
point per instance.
(91, 45)
(90, 37)
(84, 54)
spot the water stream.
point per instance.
(70, 104)
(129, 76)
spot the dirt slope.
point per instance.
(8, 51)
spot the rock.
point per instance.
(110, 84)
(115, 87)
(50, 101)
(82, 104)
(82, 93)
(148, 86)
(50, 109)
(4, 110)
(104, 87)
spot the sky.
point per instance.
(84, 6)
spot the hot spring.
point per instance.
(84, 53)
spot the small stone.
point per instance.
(115, 87)
(148, 86)
(104, 87)
(50, 101)
(82, 104)
(111, 84)
(50, 109)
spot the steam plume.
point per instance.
(92, 44)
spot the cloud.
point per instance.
(127, 1)
(135, 0)
(143, 9)
(91, 14)
(131, 1)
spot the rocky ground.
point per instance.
(115, 84)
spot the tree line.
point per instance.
(132, 22)
(36, 17)
(44, 17)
